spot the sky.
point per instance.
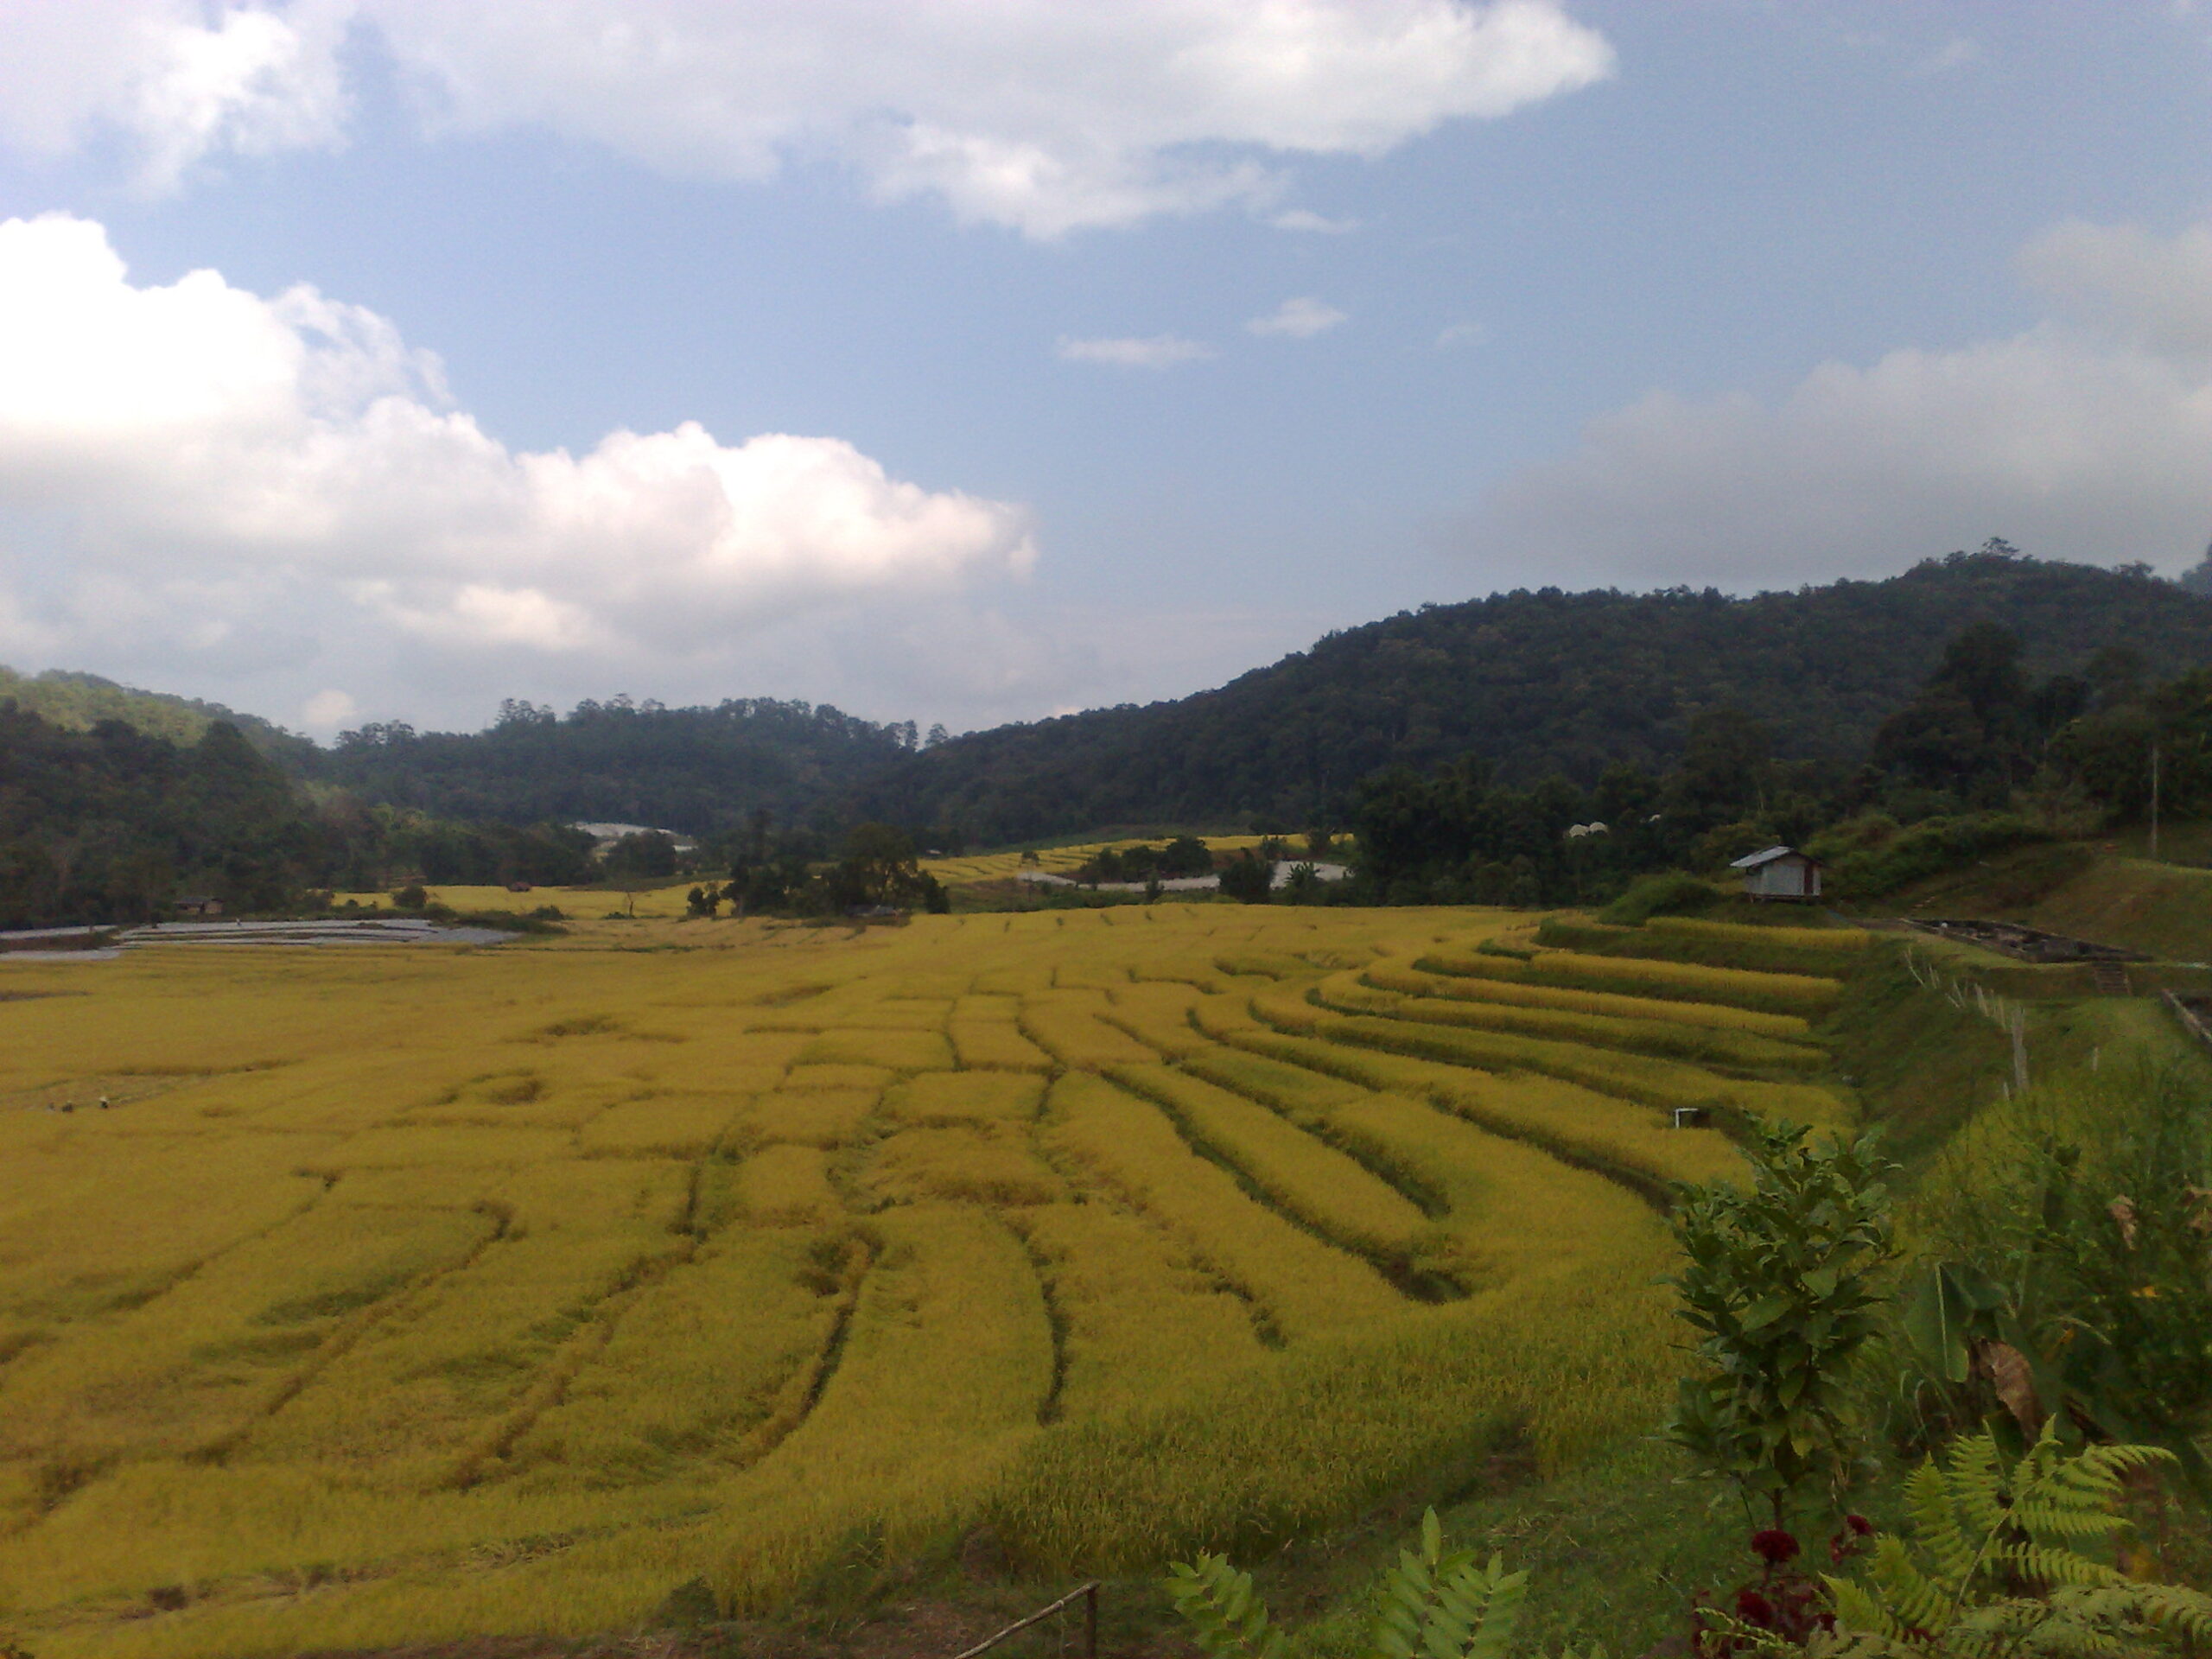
(974, 360)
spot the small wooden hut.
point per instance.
(1780, 873)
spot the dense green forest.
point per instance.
(1982, 756)
(702, 771)
(78, 702)
(106, 824)
(1534, 684)
(113, 824)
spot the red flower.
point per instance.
(1755, 1609)
(1774, 1546)
(1859, 1524)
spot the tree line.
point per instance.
(1536, 683)
(700, 770)
(115, 825)
(1983, 754)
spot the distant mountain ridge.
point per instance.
(1537, 682)
(77, 702)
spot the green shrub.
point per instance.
(1928, 849)
(1781, 1283)
(1672, 893)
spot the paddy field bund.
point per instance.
(429, 1292)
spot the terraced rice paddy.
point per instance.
(467, 1291)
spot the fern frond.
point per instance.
(2172, 1608)
(2039, 1515)
(1935, 1522)
(2116, 1621)
(1981, 1525)
(1227, 1620)
(2043, 1565)
(1973, 1486)
(1858, 1613)
(1910, 1596)
(2110, 1463)
(1446, 1607)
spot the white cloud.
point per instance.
(2154, 294)
(1458, 335)
(1035, 114)
(1300, 319)
(197, 470)
(1304, 219)
(2088, 437)
(1152, 351)
(327, 711)
(170, 81)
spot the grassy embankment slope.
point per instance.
(2109, 891)
(421, 1293)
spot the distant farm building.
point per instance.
(198, 905)
(1780, 873)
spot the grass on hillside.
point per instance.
(2163, 909)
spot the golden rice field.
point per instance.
(404, 1294)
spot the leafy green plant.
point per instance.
(1435, 1604)
(1997, 1566)
(2077, 1278)
(1780, 1282)
(1228, 1620)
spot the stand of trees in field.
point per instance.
(876, 868)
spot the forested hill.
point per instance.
(1539, 683)
(77, 703)
(698, 770)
